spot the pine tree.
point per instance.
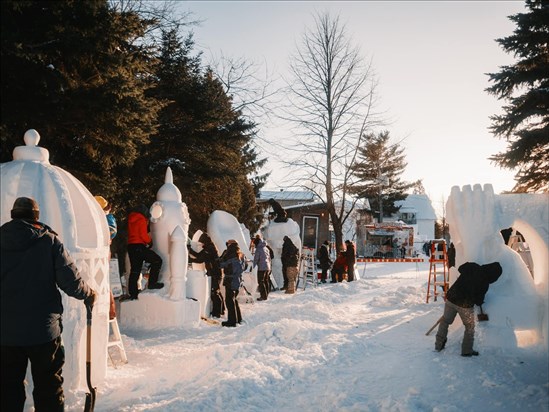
(525, 86)
(378, 172)
(76, 72)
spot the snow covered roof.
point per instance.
(420, 204)
(294, 195)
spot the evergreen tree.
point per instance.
(378, 170)
(201, 137)
(76, 72)
(525, 86)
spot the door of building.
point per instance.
(310, 231)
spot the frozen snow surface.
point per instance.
(357, 346)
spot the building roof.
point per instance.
(293, 195)
(420, 204)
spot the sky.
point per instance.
(430, 60)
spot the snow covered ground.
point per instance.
(357, 346)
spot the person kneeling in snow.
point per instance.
(467, 291)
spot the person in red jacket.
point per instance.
(139, 251)
(340, 267)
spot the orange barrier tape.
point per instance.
(390, 260)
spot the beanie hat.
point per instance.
(25, 208)
(102, 202)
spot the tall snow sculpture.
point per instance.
(274, 235)
(69, 209)
(167, 307)
(475, 217)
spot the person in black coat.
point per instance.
(210, 257)
(278, 210)
(350, 254)
(33, 265)
(324, 260)
(451, 256)
(290, 262)
(467, 291)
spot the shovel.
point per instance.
(482, 317)
(90, 396)
(434, 326)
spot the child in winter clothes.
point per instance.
(339, 268)
(139, 250)
(233, 264)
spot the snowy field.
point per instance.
(357, 346)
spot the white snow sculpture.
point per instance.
(475, 217)
(167, 307)
(69, 209)
(274, 235)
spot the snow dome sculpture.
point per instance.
(274, 235)
(71, 210)
(167, 307)
(475, 217)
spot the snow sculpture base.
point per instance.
(153, 311)
(198, 287)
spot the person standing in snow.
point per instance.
(451, 255)
(290, 262)
(262, 259)
(139, 251)
(340, 267)
(350, 255)
(233, 264)
(467, 291)
(324, 259)
(33, 265)
(210, 257)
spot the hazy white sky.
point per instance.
(430, 58)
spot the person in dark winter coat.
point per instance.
(262, 259)
(139, 251)
(324, 260)
(350, 254)
(278, 210)
(33, 265)
(210, 257)
(467, 291)
(451, 255)
(290, 262)
(233, 263)
(340, 267)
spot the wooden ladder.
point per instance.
(438, 257)
(116, 342)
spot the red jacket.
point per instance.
(138, 233)
(340, 263)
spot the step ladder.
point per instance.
(116, 342)
(437, 261)
(307, 268)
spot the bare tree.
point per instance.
(331, 100)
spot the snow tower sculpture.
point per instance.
(71, 210)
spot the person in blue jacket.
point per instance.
(233, 264)
(262, 259)
(34, 265)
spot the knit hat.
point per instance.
(25, 208)
(230, 241)
(102, 202)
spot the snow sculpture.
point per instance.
(169, 306)
(274, 235)
(476, 217)
(71, 210)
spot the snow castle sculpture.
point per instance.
(167, 307)
(69, 209)
(475, 217)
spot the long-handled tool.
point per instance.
(434, 326)
(90, 396)
(482, 316)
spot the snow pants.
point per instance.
(350, 272)
(233, 308)
(138, 254)
(218, 306)
(467, 316)
(292, 276)
(263, 283)
(46, 361)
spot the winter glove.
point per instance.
(90, 300)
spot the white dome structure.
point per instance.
(70, 210)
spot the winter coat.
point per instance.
(350, 254)
(262, 259)
(209, 256)
(111, 222)
(340, 265)
(324, 257)
(471, 286)
(290, 253)
(138, 229)
(33, 264)
(233, 269)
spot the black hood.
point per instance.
(492, 271)
(19, 234)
